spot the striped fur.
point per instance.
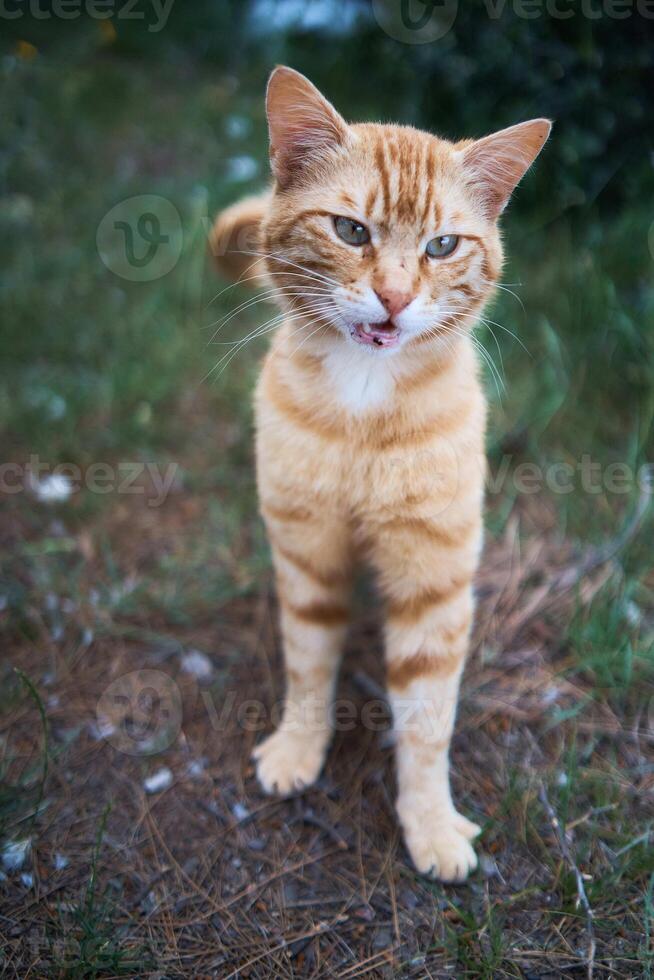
(368, 454)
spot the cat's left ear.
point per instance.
(302, 123)
(495, 164)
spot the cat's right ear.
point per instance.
(302, 124)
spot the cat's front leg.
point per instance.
(437, 836)
(426, 568)
(310, 555)
(424, 669)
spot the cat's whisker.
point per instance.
(511, 334)
(295, 265)
(505, 289)
(278, 256)
(262, 275)
(497, 344)
(440, 332)
(260, 331)
(242, 279)
(267, 327)
(266, 297)
(321, 326)
(253, 334)
(272, 326)
(486, 321)
(495, 374)
(506, 330)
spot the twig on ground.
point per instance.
(581, 891)
(145, 890)
(306, 816)
(318, 930)
(634, 843)
(371, 962)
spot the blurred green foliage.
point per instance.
(172, 103)
(586, 65)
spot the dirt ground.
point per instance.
(203, 875)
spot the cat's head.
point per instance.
(385, 234)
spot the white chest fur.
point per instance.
(360, 380)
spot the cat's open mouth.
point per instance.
(377, 334)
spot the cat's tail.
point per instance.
(235, 238)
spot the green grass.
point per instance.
(94, 942)
(96, 363)
(22, 775)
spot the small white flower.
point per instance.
(632, 613)
(103, 728)
(196, 768)
(161, 779)
(15, 853)
(240, 811)
(54, 488)
(198, 664)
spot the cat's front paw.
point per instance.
(289, 761)
(440, 845)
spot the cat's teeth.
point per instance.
(367, 329)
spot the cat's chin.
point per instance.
(376, 335)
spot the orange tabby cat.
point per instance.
(382, 244)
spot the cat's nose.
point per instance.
(394, 300)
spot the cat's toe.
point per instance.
(441, 848)
(468, 828)
(287, 762)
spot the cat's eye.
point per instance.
(439, 248)
(351, 231)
